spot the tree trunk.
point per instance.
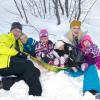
(61, 7)
(79, 8)
(24, 12)
(66, 8)
(45, 9)
(21, 15)
(57, 11)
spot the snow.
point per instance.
(56, 86)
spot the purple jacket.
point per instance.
(91, 54)
(44, 50)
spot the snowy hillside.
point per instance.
(56, 86)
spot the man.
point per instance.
(14, 62)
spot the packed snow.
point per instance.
(56, 86)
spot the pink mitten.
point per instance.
(56, 62)
(62, 61)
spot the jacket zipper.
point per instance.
(8, 58)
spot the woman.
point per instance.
(74, 36)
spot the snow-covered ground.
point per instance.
(56, 86)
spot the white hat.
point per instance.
(58, 44)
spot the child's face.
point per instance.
(61, 47)
(86, 43)
(44, 40)
(76, 30)
(23, 39)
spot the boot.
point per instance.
(1, 84)
(97, 96)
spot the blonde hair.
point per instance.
(24, 35)
(70, 37)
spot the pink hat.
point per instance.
(86, 37)
(43, 33)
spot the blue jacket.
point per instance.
(29, 46)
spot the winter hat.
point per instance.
(58, 44)
(75, 23)
(86, 37)
(16, 25)
(43, 33)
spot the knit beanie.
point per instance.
(75, 23)
(58, 44)
(16, 25)
(43, 33)
(86, 37)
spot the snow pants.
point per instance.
(91, 79)
(23, 69)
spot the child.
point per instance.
(60, 54)
(44, 47)
(58, 60)
(29, 44)
(66, 54)
(90, 50)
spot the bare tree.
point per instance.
(42, 8)
(49, 6)
(79, 8)
(30, 7)
(45, 9)
(70, 6)
(21, 15)
(89, 10)
(57, 11)
(62, 9)
(71, 15)
(66, 8)
(26, 18)
(76, 10)
(72, 9)
(33, 1)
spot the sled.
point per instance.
(47, 66)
